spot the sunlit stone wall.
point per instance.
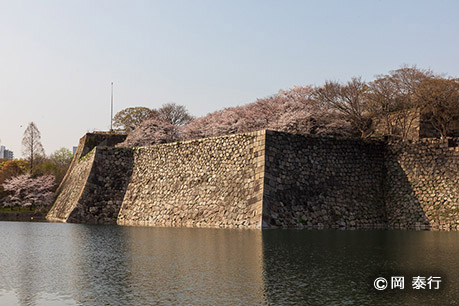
(423, 184)
(212, 182)
(70, 192)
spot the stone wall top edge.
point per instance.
(255, 134)
(98, 149)
(104, 133)
(325, 137)
(424, 141)
(270, 132)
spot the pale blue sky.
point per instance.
(57, 58)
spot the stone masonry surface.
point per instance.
(72, 190)
(216, 182)
(95, 188)
(323, 182)
(422, 186)
(264, 179)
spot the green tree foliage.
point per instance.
(56, 164)
(62, 157)
(11, 168)
(128, 119)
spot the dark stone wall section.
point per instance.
(106, 185)
(321, 182)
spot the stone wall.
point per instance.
(86, 144)
(70, 192)
(265, 179)
(106, 185)
(321, 182)
(213, 182)
(422, 185)
(95, 187)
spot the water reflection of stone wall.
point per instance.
(188, 266)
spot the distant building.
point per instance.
(5, 153)
(74, 149)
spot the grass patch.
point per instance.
(22, 210)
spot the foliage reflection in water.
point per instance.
(69, 264)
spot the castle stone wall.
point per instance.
(70, 193)
(323, 182)
(103, 194)
(95, 187)
(213, 182)
(422, 185)
(265, 179)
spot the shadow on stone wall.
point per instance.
(86, 143)
(403, 208)
(423, 185)
(106, 186)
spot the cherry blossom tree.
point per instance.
(26, 190)
(151, 131)
(293, 110)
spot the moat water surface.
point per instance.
(69, 264)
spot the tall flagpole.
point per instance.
(111, 112)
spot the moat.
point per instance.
(73, 264)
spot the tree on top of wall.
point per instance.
(391, 98)
(129, 118)
(350, 100)
(438, 99)
(174, 114)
